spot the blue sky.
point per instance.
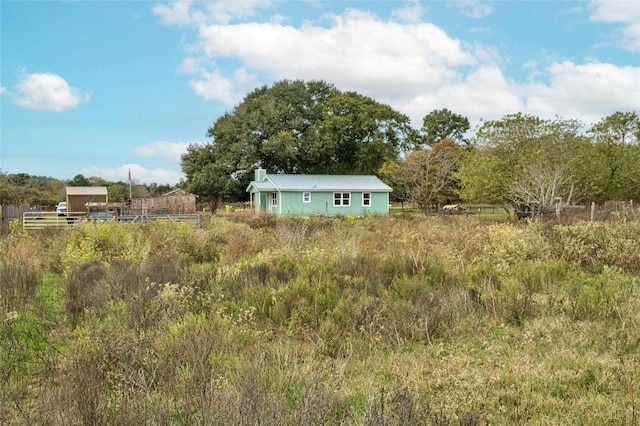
(101, 87)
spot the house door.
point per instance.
(273, 197)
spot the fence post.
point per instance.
(593, 209)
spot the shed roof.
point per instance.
(177, 191)
(86, 190)
(313, 183)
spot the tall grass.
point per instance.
(376, 321)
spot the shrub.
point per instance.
(598, 244)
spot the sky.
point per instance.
(101, 88)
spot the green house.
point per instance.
(327, 195)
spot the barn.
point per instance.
(177, 201)
(78, 197)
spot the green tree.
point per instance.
(295, 127)
(206, 178)
(40, 191)
(522, 159)
(618, 128)
(361, 134)
(443, 124)
(394, 173)
(79, 180)
(6, 190)
(427, 176)
(156, 189)
(616, 141)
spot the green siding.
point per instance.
(321, 203)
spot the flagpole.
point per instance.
(129, 183)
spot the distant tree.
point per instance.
(394, 174)
(97, 181)
(616, 141)
(520, 153)
(206, 178)
(156, 189)
(427, 176)
(6, 190)
(79, 180)
(443, 124)
(431, 173)
(617, 129)
(22, 188)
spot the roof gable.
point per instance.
(178, 192)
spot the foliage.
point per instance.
(206, 178)
(45, 192)
(294, 127)
(22, 188)
(443, 124)
(525, 159)
(376, 320)
(427, 176)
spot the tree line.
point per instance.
(314, 128)
(45, 192)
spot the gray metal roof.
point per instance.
(86, 190)
(323, 183)
(263, 186)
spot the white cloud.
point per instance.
(139, 174)
(358, 52)
(624, 13)
(214, 86)
(411, 12)
(476, 9)
(179, 13)
(168, 150)
(47, 91)
(3, 90)
(191, 66)
(586, 92)
(415, 67)
(223, 12)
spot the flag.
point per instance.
(129, 175)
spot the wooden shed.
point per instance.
(79, 196)
(177, 201)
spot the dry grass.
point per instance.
(374, 321)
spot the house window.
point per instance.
(306, 197)
(341, 199)
(274, 199)
(366, 199)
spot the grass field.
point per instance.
(399, 320)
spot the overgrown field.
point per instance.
(373, 321)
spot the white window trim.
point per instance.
(273, 199)
(342, 199)
(306, 197)
(363, 199)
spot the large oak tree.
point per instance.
(295, 127)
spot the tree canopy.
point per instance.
(295, 127)
(427, 176)
(443, 124)
(523, 158)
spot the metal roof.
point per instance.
(263, 185)
(86, 190)
(322, 183)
